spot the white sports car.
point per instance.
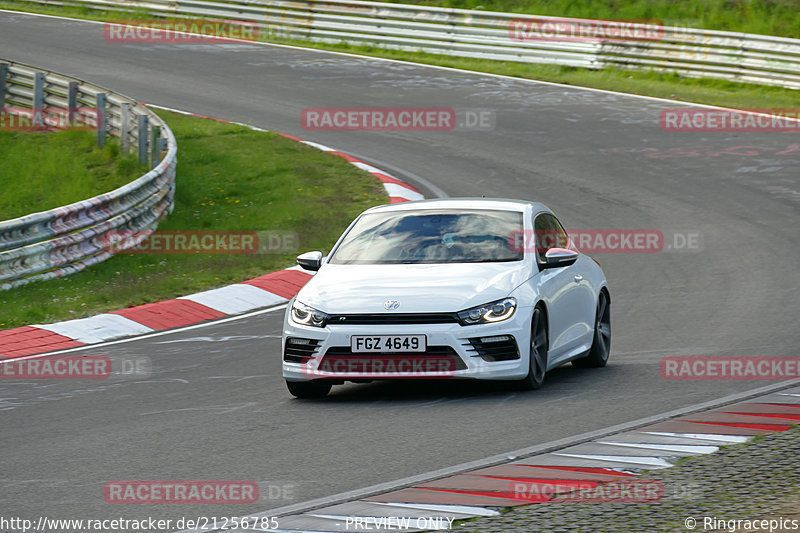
(452, 288)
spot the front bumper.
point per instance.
(452, 351)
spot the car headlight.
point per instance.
(308, 316)
(488, 313)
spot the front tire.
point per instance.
(537, 360)
(601, 344)
(308, 389)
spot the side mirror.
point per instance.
(559, 257)
(310, 260)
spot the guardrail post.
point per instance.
(142, 139)
(72, 101)
(154, 146)
(38, 98)
(3, 82)
(101, 119)
(68, 236)
(125, 126)
(311, 6)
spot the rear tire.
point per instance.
(537, 360)
(601, 344)
(308, 389)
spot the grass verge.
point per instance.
(774, 17)
(47, 170)
(229, 178)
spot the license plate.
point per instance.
(387, 343)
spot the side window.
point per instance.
(548, 234)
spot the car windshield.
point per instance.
(431, 236)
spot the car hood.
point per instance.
(340, 289)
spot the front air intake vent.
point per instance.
(299, 350)
(495, 347)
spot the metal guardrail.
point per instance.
(68, 239)
(740, 57)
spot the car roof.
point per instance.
(502, 204)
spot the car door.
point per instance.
(567, 292)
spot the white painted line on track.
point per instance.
(148, 335)
(226, 338)
(409, 177)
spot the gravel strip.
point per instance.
(754, 480)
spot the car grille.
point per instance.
(494, 348)
(411, 360)
(299, 350)
(395, 318)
